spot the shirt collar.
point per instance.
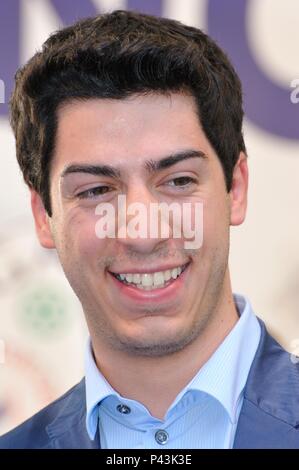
(97, 388)
(223, 376)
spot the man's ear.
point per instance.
(42, 222)
(238, 192)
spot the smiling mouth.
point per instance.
(151, 281)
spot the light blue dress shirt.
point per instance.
(205, 413)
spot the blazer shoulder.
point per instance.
(32, 434)
(273, 381)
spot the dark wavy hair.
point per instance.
(115, 55)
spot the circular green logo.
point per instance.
(43, 311)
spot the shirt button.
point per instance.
(161, 437)
(124, 409)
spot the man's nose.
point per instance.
(139, 224)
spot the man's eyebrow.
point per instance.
(166, 162)
(150, 165)
(97, 170)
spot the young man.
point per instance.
(130, 106)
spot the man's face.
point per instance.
(143, 319)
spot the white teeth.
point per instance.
(158, 279)
(136, 278)
(148, 281)
(129, 277)
(174, 273)
(140, 286)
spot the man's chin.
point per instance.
(164, 346)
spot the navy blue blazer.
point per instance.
(269, 417)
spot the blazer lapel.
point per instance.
(259, 430)
(68, 429)
(269, 416)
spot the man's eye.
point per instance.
(181, 181)
(93, 192)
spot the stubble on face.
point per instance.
(160, 344)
